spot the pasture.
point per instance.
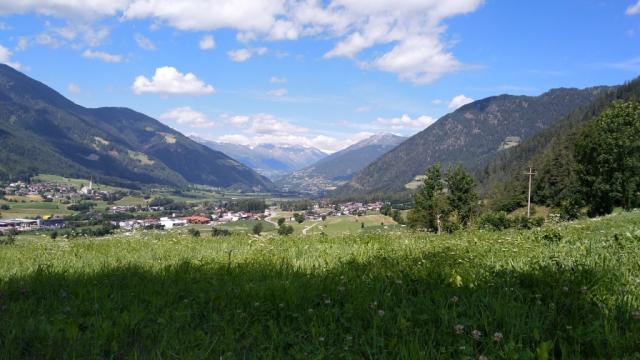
(564, 291)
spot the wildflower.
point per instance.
(281, 305)
(341, 288)
(454, 299)
(256, 304)
(565, 289)
(310, 311)
(381, 312)
(583, 289)
(476, 334)
(482, 357)
(321, 338)
(459, 329)
(327, 301)
(636, 315)
(497, 337)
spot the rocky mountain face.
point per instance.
(43, 132)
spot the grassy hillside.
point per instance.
(472, 135)
(567, 291)
(43, 132)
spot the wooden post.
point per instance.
(530, 173)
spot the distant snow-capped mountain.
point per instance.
(271, 160)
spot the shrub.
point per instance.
(281, 221)
(217, 232)
(570, 209)
(4, 207)
(257, 228)
(494, 221)
(9, 237)
(549, 235)
(194, 232)
(285, 230)
(525, 223)
(299, 218)
(53, 235)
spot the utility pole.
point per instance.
(530, 173)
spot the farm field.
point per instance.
(564, 291)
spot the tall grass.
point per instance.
(512, 294)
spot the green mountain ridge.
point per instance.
(43, 132)
(472, 135)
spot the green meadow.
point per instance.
(570, 290)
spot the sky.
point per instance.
(321, 73)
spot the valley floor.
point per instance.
(567, 291)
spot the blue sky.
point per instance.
(311, 72)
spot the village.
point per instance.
(156, 214)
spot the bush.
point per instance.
(285, 230)
(194, 232)
(549, 235)
(570, 209)
(281, 221)
(525, 223)
(4, 207)
(9, 237)
(53, 235)
(257, 228)
(494, 221)
(217, 232)
(299, 218)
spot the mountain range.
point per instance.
(271, 160)
(473, 135)
(43, 132)
(340, 166)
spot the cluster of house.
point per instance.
(355, 208)
(53, 191)
(22, 225)
(220, 217)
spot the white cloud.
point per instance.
(278, 92)
(239, 120)
(634, 9)
(277, 80)
(241, 55)
(73, 88)
(411, 32)
(187, 116)
(89, 9)
(5, 58)
(363, 109)
(207, 42)
(406, 122)
(168, 80)
(459, 101)
(100, 55)
(438, 102)
(269, 124)
(234, 139)
(144, 42)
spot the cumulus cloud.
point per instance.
(242, 55)
(101, 55)
(207, 42)
(168, 80)
(278, 92)
(634, 9)
(73, 88)
(187, 116)
(411, 32)
(237, 120)
(5, 58)
(459, 101)
(277, 80)
(82, 9)
(406, 122)
(144, 42)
